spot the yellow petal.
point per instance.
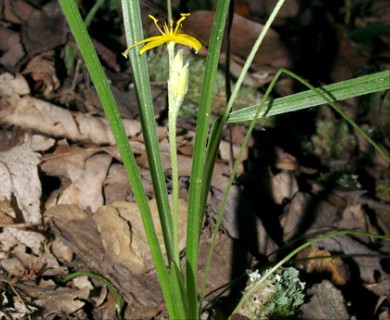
(154, 38)
(187, 40)
(153, 44)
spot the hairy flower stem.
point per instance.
(177, 88)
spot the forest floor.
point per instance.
(66, 204)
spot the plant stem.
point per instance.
(172, 117)
(169, 11)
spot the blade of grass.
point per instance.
(195, 204)
(378, 81)
(133, 29)
(106, 97)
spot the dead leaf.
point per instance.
(367, 260)
(7, 213)
(83, 238)
(224, 151)
(319, 260)
(116, 185)
(350, 56)
(67, 300)
(11, 89)
(326, 302)
(34, 114)
(305, 214)
(289, 10)
(11, 48)
(223, 267)
(273, 53)
(123, 236)
(284, 160)
(44, 30)
(41, 143)
(19, 179)
(23, 254)
(381, 288)
(62, 252)
(42, 71)
(66, 213)
(283, 186)
(12, 305)
(239, 221)
(84, 168)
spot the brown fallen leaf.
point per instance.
(23, 254)
(290, 9)
(43, 30)
(326, 302)
(19, 109)
(42, 70)
(12, 49)
(7, 213)
(381, 288)
(51, 299)
(283, 186)
(267, 61)
(123, 236)
(308, 215)
(19, 181)
(319, 260)
(83, 171)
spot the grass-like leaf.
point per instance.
(338, 91)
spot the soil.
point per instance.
(66, 204)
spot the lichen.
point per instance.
(278, 297)
(332, 140)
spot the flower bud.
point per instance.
(178, 81)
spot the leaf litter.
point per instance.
(66, 204)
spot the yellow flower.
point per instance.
(167, 34)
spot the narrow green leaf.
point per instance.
(196, 209)
(179, 293)
(338, 91)
(77, 26)
(133, 28)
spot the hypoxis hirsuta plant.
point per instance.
(180, 287)
(177, 89)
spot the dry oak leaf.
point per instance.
(33, 114)
(326, 302)
(66, 300)
(123, 236)
(42, 71)
(19, 179)
(23, 252)
(82, 172)
(315, 259)
(11, 89)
